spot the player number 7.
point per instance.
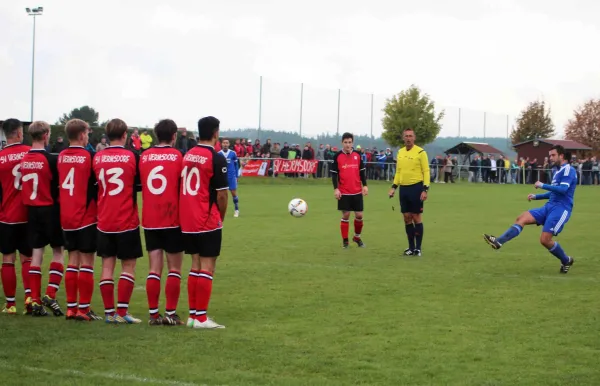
(35, 178)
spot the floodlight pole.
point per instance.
(33, 12)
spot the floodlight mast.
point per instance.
(39, 11)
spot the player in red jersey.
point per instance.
(350, 185)
(13, 217)
(160, 170)
(78, 195)
(116, 170)
(40, 195)
(202, 209)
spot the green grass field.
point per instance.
(300, 310)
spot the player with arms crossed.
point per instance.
(412, 175)
(232, 173)
(202, 209)
(13, 217)
(116, 170)
(78, 212)
(160, 170)
(350, 185)
(40, 194)
(553, 215)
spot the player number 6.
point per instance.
(154, 175)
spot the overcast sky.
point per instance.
(183, 59)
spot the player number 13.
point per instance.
(113, 175)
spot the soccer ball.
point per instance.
(297, 207)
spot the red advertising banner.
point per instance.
(295, 166)
(256, 168)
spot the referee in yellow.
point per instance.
(412, 176)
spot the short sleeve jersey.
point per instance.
(116, 171)
(347, 168)
(231, 159)
(12, 209)
(77, 188)
(39, 178)
(160, 170)
(412, 167)
(565, 176)
(204, 173)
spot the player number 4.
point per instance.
(69, 182)
(154, 175)
(113, 175)
(186, 181)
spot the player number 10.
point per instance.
(186, 181)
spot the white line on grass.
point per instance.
(113, 376)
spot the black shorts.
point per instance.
(351, 203)
(44, 227)
(123, 246)
(169, 240)
(82, 240)
(14, 237)
(207, 244)
(410, 198)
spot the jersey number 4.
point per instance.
(69, 182)
(113, 175)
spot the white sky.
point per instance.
(183, 59)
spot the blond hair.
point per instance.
(38, 129)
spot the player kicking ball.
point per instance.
(160, 170)
(350, 185)
(553, 215)
(232, 173)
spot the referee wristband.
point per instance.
(394, 186)
(425, 189)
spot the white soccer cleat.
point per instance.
(209, 324)
(190, 323)
(236, 213)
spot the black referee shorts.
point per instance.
(351, 203)
(410, 198)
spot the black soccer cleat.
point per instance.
(408, 252)
(53, 305)
(172, 320)
(564, 268)
(93, 315)
(416, 252)
(38, 310)
(358, 241)
(492, 241)
(345, 244)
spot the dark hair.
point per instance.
(561, 150)
(207, 127)
(11, 126)
(347, 136)
(407, 129)
(165, 129)
(75, 127)
(115, 129)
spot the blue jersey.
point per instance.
(565, 177)
(232, 163)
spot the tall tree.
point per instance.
(85, 113)
(533, 122)
(585, 126)
(411, 109)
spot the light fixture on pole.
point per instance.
(33, 12)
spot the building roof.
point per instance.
(567, 144)
(473, 147)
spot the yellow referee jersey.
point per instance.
(412, 167)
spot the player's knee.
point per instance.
(345, 216)
(408, 219)
(358, 215)
(128, 266)
(416, 218)
(546, 240)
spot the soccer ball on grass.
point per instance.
(297, 207)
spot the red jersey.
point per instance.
(118, 182)
(204, 172)
(239, 150)
(39, 178)
(12, 210)
(160, 170)
(346, 169)
(77, 188)
(218, 146)
(249, 150)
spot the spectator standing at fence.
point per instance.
(434, 168)
(146, 140)
(134, 142)
(448, 170)
(319, 157)
(473, 168)
(327, 156)
(485, 169)
(59, 145)
(500, 167)
(266, 148)
(412, 176)
(595, 171)
(275, 150)
(183, 142)
(101, 145)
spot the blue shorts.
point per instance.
(552, 217)
(232, 182)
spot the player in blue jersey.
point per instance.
(232, 173)
(554, 214)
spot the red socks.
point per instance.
(9, 282)
(125, 289)
(25, 277)
(71, 282)
(107, 289)
(86, 288)
(153, 293)
(35, 282)
(191, 287)
(344, 226)
(56, 275)
(358, 225)
(172, 291)
(203, 291)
